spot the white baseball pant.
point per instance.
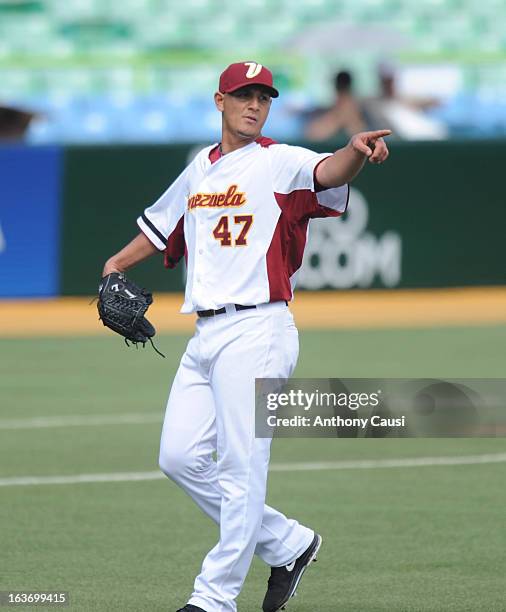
(211, 407)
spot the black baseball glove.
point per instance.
(122, 306)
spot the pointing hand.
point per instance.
(372, 145)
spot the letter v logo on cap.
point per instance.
(253, 69)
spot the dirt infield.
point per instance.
(319, 310)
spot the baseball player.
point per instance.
(239, 213)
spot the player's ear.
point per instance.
(218, 100)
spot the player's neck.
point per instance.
(231, 143)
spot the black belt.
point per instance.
(212, 313)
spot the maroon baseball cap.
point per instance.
(246, 73)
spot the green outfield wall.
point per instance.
(433, 216)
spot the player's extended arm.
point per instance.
(136, 251)
(346, 163)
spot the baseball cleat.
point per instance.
(284, 580)
(191, 608)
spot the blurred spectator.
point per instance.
(404, 116)
(14, 123)
(343, 118)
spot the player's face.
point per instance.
(245, 111)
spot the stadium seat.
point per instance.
(81, 49)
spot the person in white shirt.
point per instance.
(239, 213)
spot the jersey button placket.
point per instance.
(200, 234)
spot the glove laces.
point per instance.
(136, 344)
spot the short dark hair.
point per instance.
(343, 81)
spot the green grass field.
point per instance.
(395, 539)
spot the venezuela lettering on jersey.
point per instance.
(231, 197)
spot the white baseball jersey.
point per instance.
(241, 220)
